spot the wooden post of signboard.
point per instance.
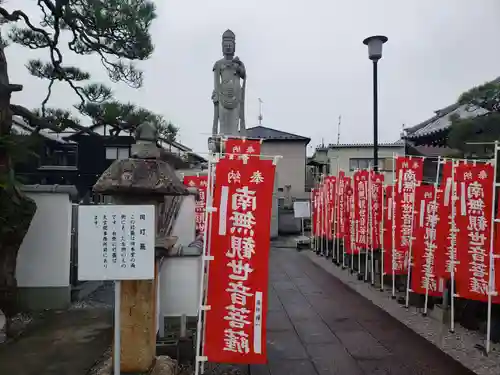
(144, 179)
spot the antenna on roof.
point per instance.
(260, 112)
(338, 130)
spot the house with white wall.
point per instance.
(44, 258)
(291, 168)
(349, 157)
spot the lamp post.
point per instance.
(375, 44)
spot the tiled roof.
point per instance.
(361, 145)
(272, 134)
(431, 151)
(21, 127)
(441, 121)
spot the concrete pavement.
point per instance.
(319, 326)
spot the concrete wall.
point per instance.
(43, 264)
(184, 226)
(291, 168)
(339, 158)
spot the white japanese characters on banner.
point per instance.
(409, 172)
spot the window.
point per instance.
(364, 163)
(113, 153)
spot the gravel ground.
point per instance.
(461, 345)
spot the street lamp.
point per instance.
(375, 44)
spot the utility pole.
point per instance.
(338, 130)
(260, 112)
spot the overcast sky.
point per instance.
(305, 59)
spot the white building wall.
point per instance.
(44, 256)
(339, 158)
(291, 168)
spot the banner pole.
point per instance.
(382, 235)
(453, 245)
(353, 228)
(311, 210)
(393, 260)
(491, 279)
(335, 220)
(200, 359)
(372, 234)
(318, 218)
(326, 218)
(410, 260)
(323, 206)
(433, 237)
(369, 239)
(117, 329)
(344, 205)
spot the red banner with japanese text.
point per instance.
(315, 211)
(199, 182)
(361, 208)
(237, 288)
(377, 192)
(242, 148)
(329, 190)
(321, 208)
(388, 220)
(350, 229)
(409, 173)
(447, 198)
(423, 248)
(473, 220)
(341, 203)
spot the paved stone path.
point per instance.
(318, 326)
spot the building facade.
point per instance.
(350, 157)
(291, 167)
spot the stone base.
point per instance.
(163, 366)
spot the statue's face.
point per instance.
(228, 47)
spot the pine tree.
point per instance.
(115, 30)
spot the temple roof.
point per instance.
(441, 121)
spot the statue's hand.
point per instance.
(238, 61)
(215, 97)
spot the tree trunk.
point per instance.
(16, 213)
(16, 209)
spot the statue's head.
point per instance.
(228, 43)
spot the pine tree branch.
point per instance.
(41, 123)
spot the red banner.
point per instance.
(361, 209)
(341, 205)
(445, 203)
(350, 224)
(409, 173)
(321, 208)
(423, 274)
(388, 220)
(377, 192)
(329, 190)
(473, 220)
(315, 213)
(242, 148)
(238, 279)
(199, 182)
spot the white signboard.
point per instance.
(301, 209)
(116, 242)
